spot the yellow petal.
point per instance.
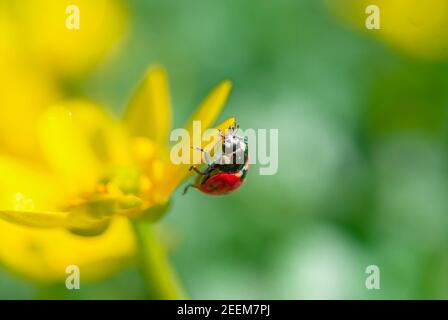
(88, 218)
(209, 110)
(43, 254)
(149, 111)
(36, 219)
(27, 187)
(81, 144)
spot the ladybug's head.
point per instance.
(234, 146)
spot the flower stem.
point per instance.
(160, 279)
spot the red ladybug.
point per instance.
(228, 172)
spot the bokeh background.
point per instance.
(362, 119)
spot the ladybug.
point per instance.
(228, 172)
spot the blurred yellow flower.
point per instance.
(37, 50)
(43, 254)
(93, 171)
(416, 27)
(42, 37)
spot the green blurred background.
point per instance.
(362, 166)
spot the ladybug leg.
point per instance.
(188, 187)
(207, 156)
(196, 170)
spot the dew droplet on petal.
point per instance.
(23, 203)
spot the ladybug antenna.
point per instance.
(234, 128)
(220, 134)
(197, 148)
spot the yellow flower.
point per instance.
(94, 173)
(412, 26)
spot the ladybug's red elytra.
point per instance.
(228, 171)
